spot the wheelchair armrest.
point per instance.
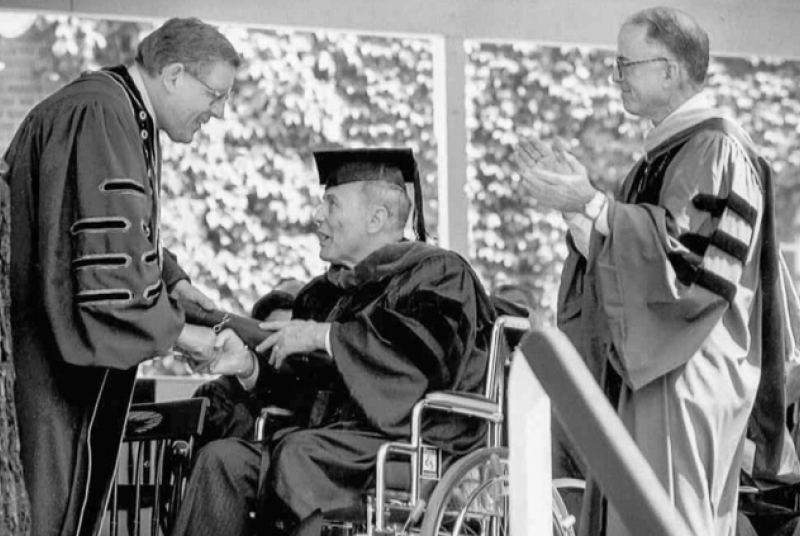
(569, 483)
(459, 402)
(748, 490)
(469, 404)
(270, 419)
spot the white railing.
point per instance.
(547, 365)
(530, 471)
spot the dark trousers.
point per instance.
(221, 491)
(313, 470)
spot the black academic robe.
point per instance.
(89, 288)
(409, 319)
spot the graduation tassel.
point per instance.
(419, 209)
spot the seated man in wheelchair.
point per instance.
(390, 319)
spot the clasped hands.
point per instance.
(553, 176)
(226, 353)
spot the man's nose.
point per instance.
(218, 109)
(317, 217)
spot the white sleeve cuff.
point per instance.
(249, 383)
(597, 211)
(580, 227)
(328, 341)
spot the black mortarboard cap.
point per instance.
(334, 168)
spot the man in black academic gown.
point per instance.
(92, 291)
(392, 319)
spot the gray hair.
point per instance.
(390, 195)
(189, 41)
(680, 34)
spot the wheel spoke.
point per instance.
(472, 499)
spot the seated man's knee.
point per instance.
(292, 447)
(294, 463)
(230, 457)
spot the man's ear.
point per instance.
(170, 74)
(378, 218)
(672, 72)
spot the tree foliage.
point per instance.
(239, 201)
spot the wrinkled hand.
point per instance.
(196, 346)
(553, 176)
(546, 156)
(231, 356)
(172, 364)
(186, 291)
(292, 337)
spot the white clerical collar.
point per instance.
(695, 110)
(139, 82)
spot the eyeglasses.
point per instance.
(216, 96)
(620, 65)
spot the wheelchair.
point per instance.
(417, 491)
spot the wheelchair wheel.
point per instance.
(472, 499)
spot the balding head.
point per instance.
(680, 35)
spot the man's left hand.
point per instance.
(292, 337)
(186, 291)
(232, 357)
(553, 176)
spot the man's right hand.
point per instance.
(553, 176)
(291, 337)
(196, 344)
(184, 290)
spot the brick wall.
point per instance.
(20, 86)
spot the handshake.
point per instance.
(212, 351)
(216, 342)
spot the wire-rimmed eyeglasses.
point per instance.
(216, 95)
(621, 65)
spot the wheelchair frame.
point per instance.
(489, 407)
